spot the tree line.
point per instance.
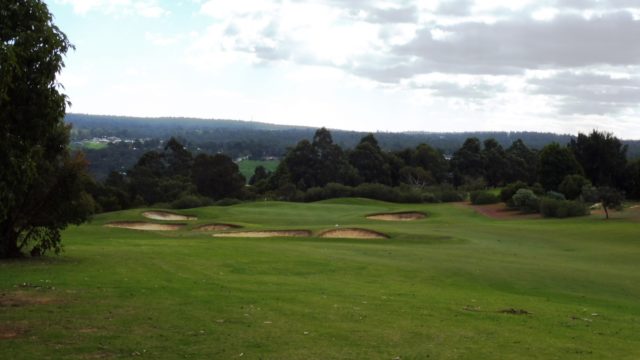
(318, 169)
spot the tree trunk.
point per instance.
(9, 244)
(606, 212)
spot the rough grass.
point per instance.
(247, 167)
(457, 285)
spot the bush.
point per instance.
(555, 195)
(428, 197)
(526, 200)
(227, 202)
(562, 208)
(572, 186)
(336, 190)
(483, 198)
(377, 192)
(190, 201)
(450, 196)
(508, 191)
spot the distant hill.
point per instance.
(209, 131)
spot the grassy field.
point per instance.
(452, 286)
(247, 167)
(95, 145)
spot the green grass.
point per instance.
(432, 291)
(94, 145)
(247, 167)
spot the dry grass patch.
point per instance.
(265, 234)
(216, 227)
(500, 211)
(139, 225)
(398, 216)
(353, 233)
(11, 332)
(165, 215)
(24, 298)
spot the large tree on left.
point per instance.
(41, 183)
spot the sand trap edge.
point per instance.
(398, 216)
(265, 233)
(167, 216)
(216, 227)
(144, 226)
(352, 233)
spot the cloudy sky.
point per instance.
(448, 65)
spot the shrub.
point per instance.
(555, 195)
(227, 202)
(508, 191)
(336, 190)
(572, 186)
(451, 196)
(429, 197)
(409, 195)
(483, 198)
(190, 201)
(526, 200)
(562, 208)
(376, 192)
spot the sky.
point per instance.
(564, 66)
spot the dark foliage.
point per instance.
(558, 208)
(42, 185)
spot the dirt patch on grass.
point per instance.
(265, 234)
(500, 211)
(398, 216)
(165, 215)
(25, 298)
(10, 332)
(512, 311)
(139, 225)
(353, 233)
(216, 227)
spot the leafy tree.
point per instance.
(331, 162)
(609, 197)
(467, 162)
(632, 184)
(572, 186)
(299, 163)
(42, 186)
(217, 176)
(259, 174)
(431, 160)
(178, 159)
(370, 161)
(556, 162)
(496, 163)
(602, 156)
(522, 163)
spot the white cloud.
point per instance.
(144, 8)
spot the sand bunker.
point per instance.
(353, 234)
(136, 225)
(399, 216)
(265, 234)
(216, 227)
(164, 215)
